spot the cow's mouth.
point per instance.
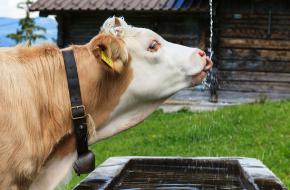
(198, 78)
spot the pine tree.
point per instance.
(28, 31)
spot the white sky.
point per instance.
(8, 8)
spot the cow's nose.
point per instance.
(201, 53)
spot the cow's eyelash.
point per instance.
(154, 46)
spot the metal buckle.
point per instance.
(78, 107)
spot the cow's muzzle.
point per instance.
(197, 79)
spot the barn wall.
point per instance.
(254, 46)
(80, 28)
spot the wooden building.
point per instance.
(254, 47)
(251, 37)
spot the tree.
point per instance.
(28, 31)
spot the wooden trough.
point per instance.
(173, 173)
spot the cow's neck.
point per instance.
(124, 117)
(101, 91)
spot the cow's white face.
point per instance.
(160, 69)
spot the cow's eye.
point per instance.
(154, 46)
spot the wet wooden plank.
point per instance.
(254, 54)
(255, 21)
(258, 26)
(254, 65)
(254, 43)
(253, 76)
(246, 86)
(278, 16)
(238, 97)
(255, 34)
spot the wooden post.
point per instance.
(60, 32)
(202, 40)
(63, 21)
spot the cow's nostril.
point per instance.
(201, 53)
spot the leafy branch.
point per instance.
(28, 31)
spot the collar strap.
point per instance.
(86, 160)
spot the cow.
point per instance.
(37, 142)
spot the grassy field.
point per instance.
(260, 131)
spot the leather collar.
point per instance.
(85, 162)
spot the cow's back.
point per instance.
(31, 84)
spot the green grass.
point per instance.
(260, 131)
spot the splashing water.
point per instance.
(207, 81)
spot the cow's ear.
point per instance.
(109, 51)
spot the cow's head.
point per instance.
(160, 69)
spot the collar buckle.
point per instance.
(78, 112)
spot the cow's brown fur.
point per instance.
(35, 121)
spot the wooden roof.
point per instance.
(120, 5)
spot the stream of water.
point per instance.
(207, 81)
(211, 29)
